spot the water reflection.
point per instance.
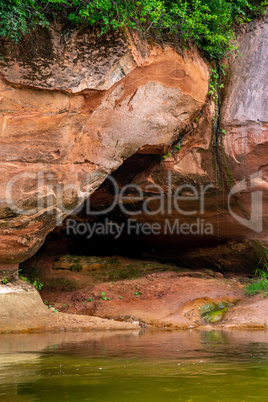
(135, 366)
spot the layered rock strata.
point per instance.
(72, 109)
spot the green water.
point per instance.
(137, 366)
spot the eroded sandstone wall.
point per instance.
(72, 109)
(233, 170)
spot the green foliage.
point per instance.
(168, 154)
(103, 297)
(223, 132)
(256, 286)
(54, 310)
(17, 17)
(35, 282)
(207, 23)
(260, 284)
(214, 85)
(4, 281)
(76, 267)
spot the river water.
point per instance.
(148, 366)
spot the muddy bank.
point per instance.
(146, 293)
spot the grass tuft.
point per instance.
(256, 286)
(259, 284)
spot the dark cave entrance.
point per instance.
(137, 170)
(185, 251)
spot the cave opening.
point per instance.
(109, 229)
(80, 267)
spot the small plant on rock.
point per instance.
(76, 267)
(260, 284)
(103, 297)
(37, 284)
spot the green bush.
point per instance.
(260, 284)
(256, 286)
(17, 17)
(207, 23)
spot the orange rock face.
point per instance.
(223, 187)
(71, 111)
(236, 203)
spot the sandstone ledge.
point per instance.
(22, 311)
(178, 307)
